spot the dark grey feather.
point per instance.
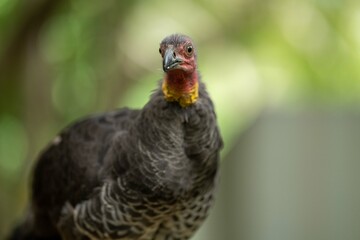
(144, 174)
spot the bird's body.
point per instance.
(144, 174)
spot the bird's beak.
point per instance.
(171, 60)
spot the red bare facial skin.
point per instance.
(188, 63)
(181, 81)
(179, 64)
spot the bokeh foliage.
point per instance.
(63, 59)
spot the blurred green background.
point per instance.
(293, 65)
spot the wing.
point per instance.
(68, 170)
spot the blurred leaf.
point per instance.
(6, 6)
(13, 145)
(61, 38)
(74, 93)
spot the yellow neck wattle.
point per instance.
(184, 98)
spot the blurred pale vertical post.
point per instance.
(293, 175)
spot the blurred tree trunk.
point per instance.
(26, 26)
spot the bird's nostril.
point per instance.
(174, 54)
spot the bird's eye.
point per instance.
(189, 50)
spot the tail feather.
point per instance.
(16, 234)
(30, 229)
(21, 233)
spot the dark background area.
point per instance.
(284, 76)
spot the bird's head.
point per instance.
(179, 64)
(178, 53)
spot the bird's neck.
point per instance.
(175, 145)
(181, 87)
